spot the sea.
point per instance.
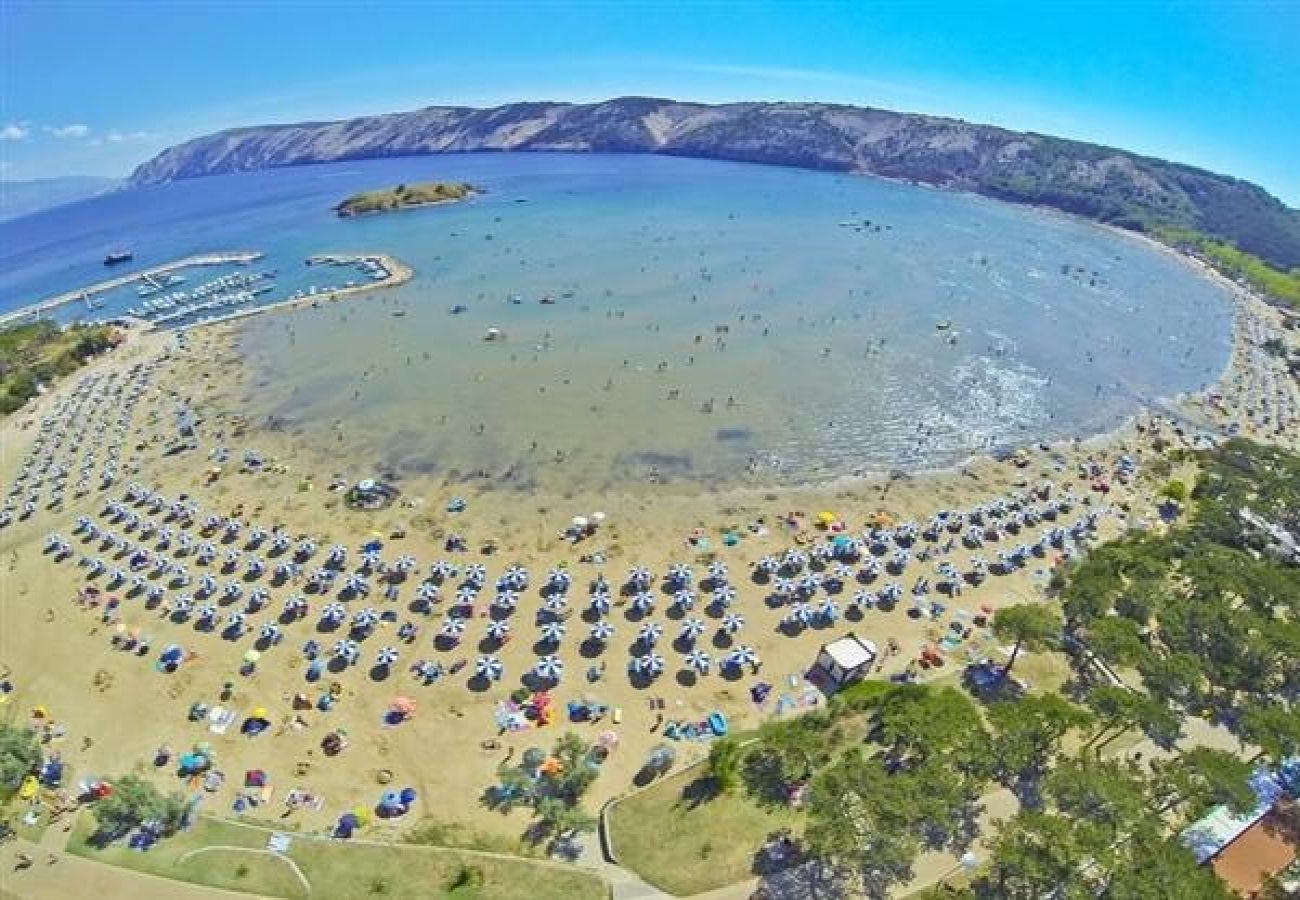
(662, 321)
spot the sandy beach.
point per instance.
(116, 708)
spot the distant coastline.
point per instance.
(405, 196)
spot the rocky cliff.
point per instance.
(1101, 183)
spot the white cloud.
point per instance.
(123, 137)
(14, 131)
(68, 131)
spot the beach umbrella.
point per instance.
(466, 594)
(768, 565)
(207, 612)
(235, 621)
(550, 668)
(692, 629)
(296, 605)
(442, 569)
(555, 603)
(489, 667)
(257, 598)
(182, 605)
(356, 583)
(371, 560)
(184, 542)
(498, 629)
(650, 665)
(809, 583)
(724, 595)
(891, 591)
(600, 603)
(347, 650)
(639, 577)
(732, 622)
(255, 567)
(180, 573)
(516, 577)
(643, 602)
(139, 583)
(559, 580)
(286, 570)
(680, 575)
(602, 631)
(453, 627)
(684, 599)
(476, 574)
(794, 560)
(52, 541)
(334, 612)
(718, 570)
(744, 655)
(280, 542)
(386, 657)
(337, 556)
(365, 619)
(506, 600)
(901, 558)
(233, 590)
(256, 535)
(305, 549)
(427, 672)
(785, 586)
(161, 564)
(863, 599)
(828, 610)
(311, 649)
(117, 576)
(698, 660)
(427, 592)
(270, 632)
(405, 564)
(233, 527)
(650, 633)
(801, 613)
(553, 632)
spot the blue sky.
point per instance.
(95, 87)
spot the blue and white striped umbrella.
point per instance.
(161, 565)
(334, 612)
(498, 630)
(405, 564)
(387, 656)
(476, 574)
(550, 668)
(639, 577)
(52, 541)
(891, 591)
(724, 595)
(427, 672)
(280, 542)
(732, 622)
(184, 542)
(236, 621)
(427, 592)
(718, 570)
(553, 632)
(207, 612)
(842, 571)
(337, 556)
(180, 573)
(680, 575)
(233, 590)
(516, 577)
(801, 613)
(650, 633)
(650, 665)
(559, 580)
(785, 587)
(256, 535)
(643, 602)
(258, 596)
(489, 667)
(794, 560)
(453, 627)
(768, 565)
(365, 619)
(466, 594)
(808, 584)
(117, 576)
(286, 570)
(206, 553)
(555, 603)
(506, 600)
(744, 655)
(371, 561)
(270, 632)
(306, 549)
(863, 599)
(233, 527)
(828, 610)
(870, 568)
(692, 629)
(602, 631)
(901, 558)
(139, 582)
(356, 583)
(698, 660)
(599, 585)
(182, 605)
(684, 599)
(601, 602)
(346, 649)
(822, 551)
(296, 605)
(255, 567)
(442, 570)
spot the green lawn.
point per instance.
(686, 848)
(343, 870)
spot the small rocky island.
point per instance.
(405, 196)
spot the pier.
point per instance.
(148, 276)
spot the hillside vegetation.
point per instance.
(404, 196)
(1101, 183)
(40, 352)
(1240, 266)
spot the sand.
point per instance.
(117, 709)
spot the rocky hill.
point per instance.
(1098, 182)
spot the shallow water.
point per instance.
(712, 323)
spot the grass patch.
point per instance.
(687, 847)
(341, 870)
(40, 352)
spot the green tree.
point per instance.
(1273, 726)
(134, 801)
(1109, 795)
(1118, 640)
(917, 721)
(1032, 626)
(1028, 733)
(1203, 778)
(1036, 854)
(1120, 709)
(561, 819)
(20, 753)
(1158, 868)
(724, 764)
(1175, 490)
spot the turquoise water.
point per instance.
(711, 323)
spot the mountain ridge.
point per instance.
(1103, 183)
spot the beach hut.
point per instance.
(846, 659)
